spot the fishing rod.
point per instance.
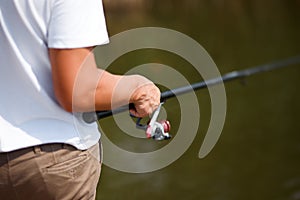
(164, 129)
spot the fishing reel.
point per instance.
(158, 130)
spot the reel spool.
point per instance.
(158, 130)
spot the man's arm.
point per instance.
(80, 86)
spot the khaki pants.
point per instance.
(51, 171)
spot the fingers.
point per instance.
(146, 99)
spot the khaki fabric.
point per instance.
(51, 171)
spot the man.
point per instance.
(48, 79)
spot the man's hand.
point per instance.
(146, 99)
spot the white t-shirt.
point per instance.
(29, 112)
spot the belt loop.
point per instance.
(37, 149)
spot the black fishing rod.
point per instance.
(92, 117)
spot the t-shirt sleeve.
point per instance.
(77, 24)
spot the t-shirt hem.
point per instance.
(69, 44)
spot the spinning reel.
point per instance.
(158, 130)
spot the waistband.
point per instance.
(36, 149)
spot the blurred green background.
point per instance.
(258, 154)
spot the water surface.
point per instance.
(258, 153)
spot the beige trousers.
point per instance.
(51, 171)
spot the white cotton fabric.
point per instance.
(29, 112)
